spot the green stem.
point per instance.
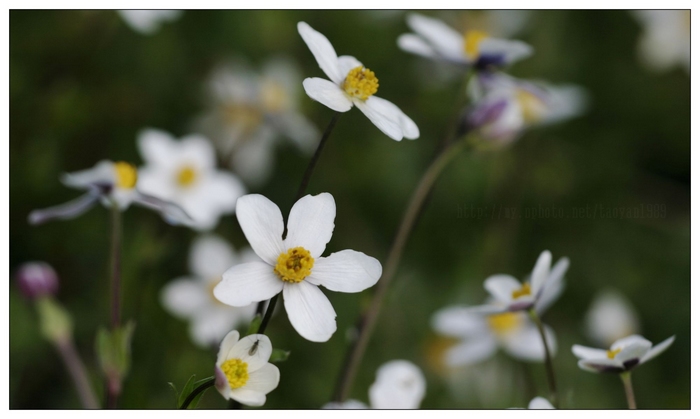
(549, 366)
(113, 384)
(76, 369)
(200, 388)
(312, 164)
(626, 378)
(268, 314)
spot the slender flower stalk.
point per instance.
(626, 378)
(200, 388)
(551, 379)
(76, 369)
(113, 383)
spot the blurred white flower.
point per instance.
(352, 84)
(665, 42)
(192, 298)
(185, 172)
(624, 355)
(497, 23)
(147, 22)
(611, 317)
(539, 403)
(435, 40)
(114, 184)
(242, 371)
(294, 265)
(250, 111)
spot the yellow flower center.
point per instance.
(126, 174)
(236, 372)
(524, 290)
(361, 83)
(436, 350)
(504, 322)
(273, 97)
(295, 265)
(533, 107)
(186, 176)
(611, 353)
(244, 117)
(472, 42)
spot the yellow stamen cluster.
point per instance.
(504, 322)
(186, 176)
(236, 372)
(360, 83)
(127, 175)
(295, 265)
(522, 291)
(611, 353)
(533, 107)
(472, 42)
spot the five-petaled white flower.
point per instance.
(242, 371)
(352, 84)
(666, 39)
(611, 317)
(399, 384)
(624, 355)
(294, 265)
(147, 22)
(185, 172)
(434, 39)
(114, 184)
(192, 298)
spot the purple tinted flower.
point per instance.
(37, 279)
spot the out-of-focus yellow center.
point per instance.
(127, 175)
(361, 83)
(522, 291)
(533, 107)
(273, 97)
(243, 117)
(472, 42)
(436, 351)
(186, 176)
(504, 322)
(236, 372)
(295, 265)
(611, 353)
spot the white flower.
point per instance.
(242, 371)
(294, 265)
(611, 317)
(185, 172)
(192, 298)
(352, 84)
(250, 111)
(114, 184)
(497, 23)
(434, 39)
(148, 22)
(666, 39)
(624, 355)
(538, 403)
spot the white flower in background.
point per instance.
(399, 385)
(496, 23)
(242, 371)
(611, 317)
(192, 298)
(185, 172)
(624, 355)
(147, 22)
(294, 265)
(352, 84)
(666, 39)
(250, 112)
(538, 403)
(434, 39)
(114, 184)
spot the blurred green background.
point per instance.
(83, 83)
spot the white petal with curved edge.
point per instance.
(102, 173)
(635, 350)
(248, 397)
(327, 93)
(501, 287)
(416, 45)
(447, 41)
(264, 379)
(459, 322)
(657, 350)
(399, 385)
(311, 223)
(610, 317)
(472, 351)
(584, 352)
(156, 147)
(322, 50)
(208, 326)
(254, 350)
(387, 122)
(510, 50)
(66, 211)
(549, 295)
(248, 283)
(262, 224)
(622, 343)
(346, 271)
(488, 309)
(409, 128)
(309, 311)
(210, 256)
(197, 151)
(184, 297)
(526, 343)
(347, 63)
(229, 341)
(600, 365)
(540, 403)
(540, 273)
(221, 383)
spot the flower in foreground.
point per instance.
(352, 84)
(242, 371)
(624, 355)
(435, 40)
(666, 39)
(399, 385)
(147, 22)
(115, 185)
(185, 173)
(294, 265)
(192, 298)
(611, 317)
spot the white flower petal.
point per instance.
(264, 379)
(526, 343)
(208, 326)
(459, 322)
(254, 350)
(409, 128)
(229, 341)
(540, 273)
(103, 173)
(346, 271)
(248, 283)
(262, 224)
(493, 308)
(399, 385)
(311, 223)
(327, 93)
(472, 351)
(248, 397)
(198, 151)
(629, 340)
(510, 50)
(540, 403)
(156, 147)
(657, 349)
(447, 41)
(210, 256)
(347, 63)
(415, 45)
(635, 350)
(385, 119)
(309, 311)
(584, 352)
(322, 50)
(66, 211)
(501, 287)
(184, 297)
(610, 317)
(601, 365)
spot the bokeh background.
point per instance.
(83, 83)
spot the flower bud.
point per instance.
(36, 279)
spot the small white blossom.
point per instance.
(624, 355)
(611, 317)
(665, 42)
(147, 22)
(538, 403)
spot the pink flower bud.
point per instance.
(36, 279)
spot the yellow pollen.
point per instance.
(360, 83)
(236, 372)
(126, 174)
(533, 107)
(505, 322)
(611, 353)
(524, 290)
(472, 42)
(295, 265)
(186, 176)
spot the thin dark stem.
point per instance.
(369, 319)
(268, 314)
(76, 369)
(312, 164)
(547, 360)
(626, 378)
(113, 383)
(200, 388)
(260, 309)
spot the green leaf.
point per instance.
(279, 355)
(177, 394)
(254, 325)
(114, 350)
(54, 320)
(186, 390)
